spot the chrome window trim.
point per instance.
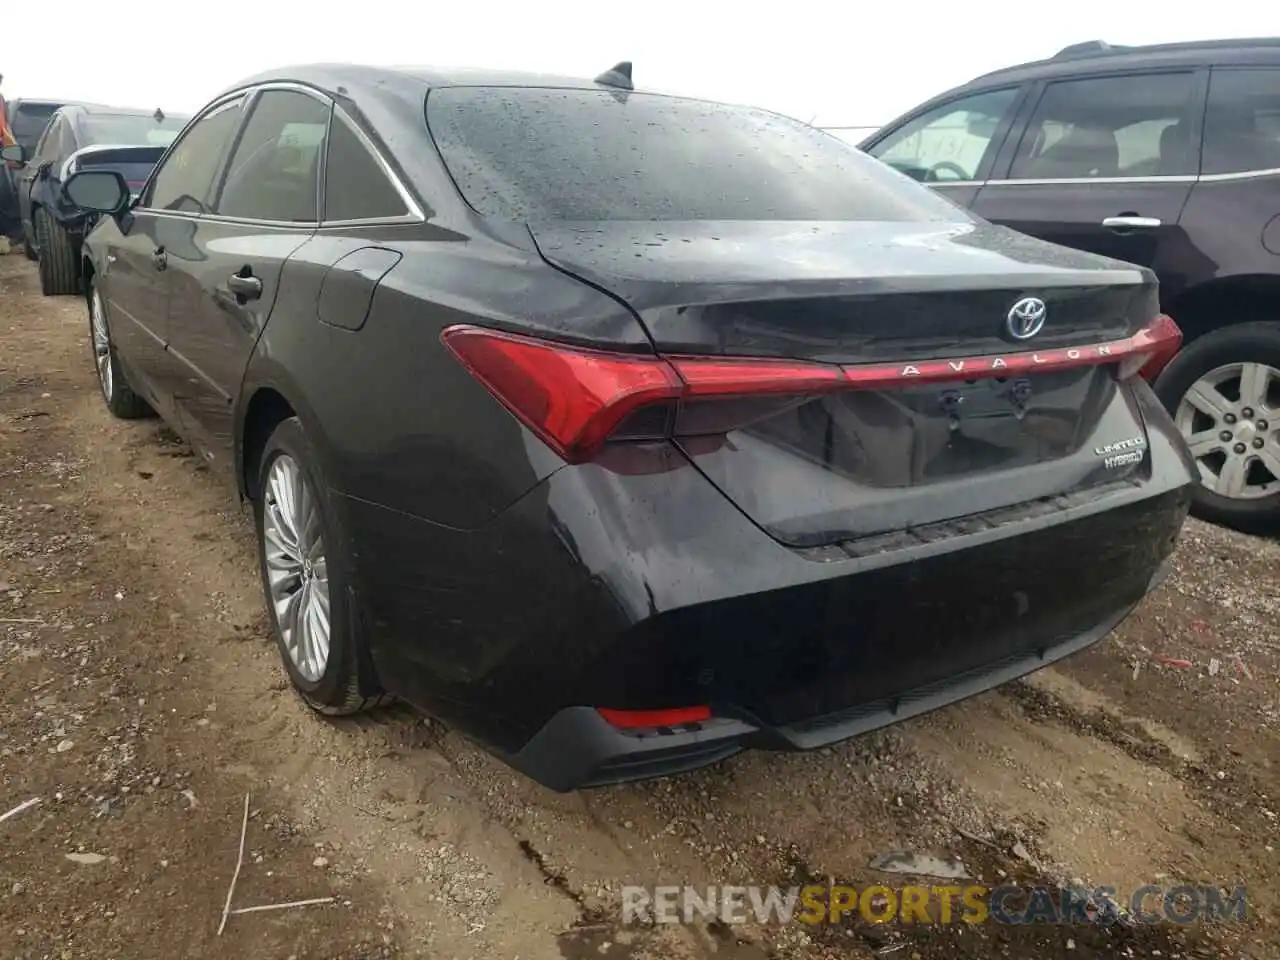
(414, 212)
(218, 218)
(1240, 175)
(1180, 178)
(209, 110)
(414, 215)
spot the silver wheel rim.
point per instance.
(297, 573)
(1231, 420)
(101, 344)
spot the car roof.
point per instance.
(1098, 56)
(102, 108)
(348, 78)
(1094, 57)
(19, 102)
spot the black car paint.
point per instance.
(39, 183)
(508, 592)
(27, 118)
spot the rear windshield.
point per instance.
(126, 128)
(565, 154)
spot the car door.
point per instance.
(1105, 164)
(160, 225)
(951, 145)
(225, 281)
(36, 166)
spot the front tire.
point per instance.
(116, 391)
(1223, 391)
(57, 257)
(304, 564)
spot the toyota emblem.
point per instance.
(1026, 318)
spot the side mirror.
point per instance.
(14, 153)
(99, 191)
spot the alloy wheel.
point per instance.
(101, 345)
(1230, 418)
(297, 572)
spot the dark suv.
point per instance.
(27, 120)
(1166, 156)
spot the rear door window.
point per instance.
(1242, 121)
(46, 146)
(273, 174)
(67, 141)
(949, 142)
(184, 181)
(600, 155)
(1107, 127)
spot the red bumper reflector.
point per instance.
(574, 398)
(648, 719)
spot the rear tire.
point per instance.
(57, 258)
(1239, 459)
(304, 566)
(116, 391)
(28, 248)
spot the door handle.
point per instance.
(1131, 222)
(245, 285)
(159, 259)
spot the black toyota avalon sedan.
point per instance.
(625, 431)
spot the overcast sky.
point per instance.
(832, 62)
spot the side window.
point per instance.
(273, 174)
(185, 178)
(355, 188)
(49, 139)
(948, 142)
(1133, 126)
(1242, 122)
(66, 144)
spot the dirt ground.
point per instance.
(140, 700)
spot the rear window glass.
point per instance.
(565, 154)
(29, 121)
(129, 128)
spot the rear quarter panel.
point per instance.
(400, 422)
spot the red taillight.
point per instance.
(575, 398)
(570, 397)
(649, 719)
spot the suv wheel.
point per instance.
(1224, 393)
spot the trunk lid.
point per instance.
(847, 292)
(850, 464)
